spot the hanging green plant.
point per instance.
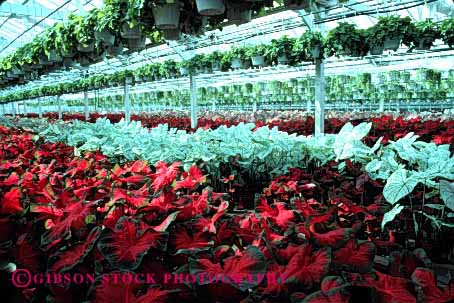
(447, 32)
(426, 32)
(346, 40)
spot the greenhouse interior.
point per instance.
(227, 151)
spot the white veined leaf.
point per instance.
(390, 215)
(435, 206)
(447, 193)
(373, 166)
(399, 185)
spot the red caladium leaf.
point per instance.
(327, 218)
(107, 290)
(193, 178)
(390, 289)
(251, 262)
(208, 224)
(355, 257)
(335, 238)
(135, 198)
(126, 245)
(26, 255)
(184, 242)
(167, 221)
(164, 175)
(429, 291)
(12, 180)
(68, 259)
(46, 210)
(307, 266)
(74, 216)
(10, 203)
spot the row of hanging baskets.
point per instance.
(167, 15)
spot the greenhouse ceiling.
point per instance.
(22, 20)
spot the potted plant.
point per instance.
(346, 40)
(135, 45)
(107, 21)
(168, 69)
(210, 7)
(166, 13)
(280, 50)
(171, 34)
(185, 67)
(257, 54)
(198, 62)
(426, 32)
(84, 31)
(215, 59)
(312, 43)
(237, 55)
(394, 30)
(447, 32)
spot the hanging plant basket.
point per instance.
(68, 62)
(216, 66)
(135, 45)
(68, 53)
(282, 59)
(238, 14)
(425, 44)
(246, 64)
(315, 52)
(171, 34)
(184, 71)
(86, 48)
(296, 4)
(54, 56)
(128, 32)
(258, 60)
(43, 60)
(237, 63)
(392, 43)
(167, 16)
(377, 50)
(210, 7)
(105, 37)
(129, 80)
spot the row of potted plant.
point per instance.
(425, 84)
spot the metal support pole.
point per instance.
(319, 98)
(25, 106)
(13, 109)
(40, 114)
(3, 109)
(60, 113)
(193, 101)
(254, 106)
(127, 103)
(87, 113)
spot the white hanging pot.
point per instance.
(54, 56)
(210, 7)
(216, 66)
(282, 59)
(258, 60)
(184, 71)
(237, 63)
(315, 52)
(167, 16)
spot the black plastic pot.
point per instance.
(135, 45)
(377, 50)
(392, 43)
(171, 34)
(128, 32)
(105, 37)
(86, 48)
(238, 14)
(167, 16)
(425, 44)
(296, 5)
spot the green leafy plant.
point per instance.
(346, 40)
(447, 32)
(426, 32)
(281, 47)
